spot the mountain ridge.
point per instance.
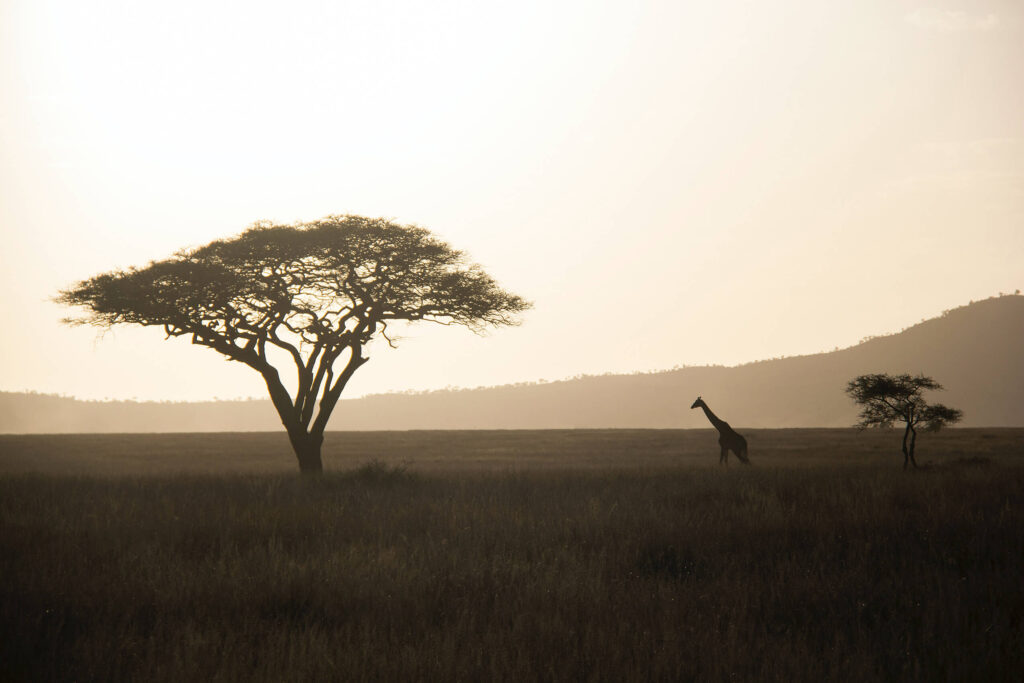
(973, 350)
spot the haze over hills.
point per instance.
(974, 351)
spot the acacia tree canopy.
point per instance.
(318, 291)
(887, 399)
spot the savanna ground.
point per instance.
(554, 555)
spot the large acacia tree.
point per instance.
(315, 293)
(887, 399)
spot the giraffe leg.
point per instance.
(724, 458)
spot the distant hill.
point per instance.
(975, 351)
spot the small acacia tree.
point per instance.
(315, 293)
(887, 399)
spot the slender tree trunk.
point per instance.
(906, 451)
(305, 444)
(307, 450)
(307, 439)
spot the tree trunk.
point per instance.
(307, 450)
(906, 451)
(305, 444)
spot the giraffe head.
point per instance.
(698, 403)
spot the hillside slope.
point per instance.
(974, 350)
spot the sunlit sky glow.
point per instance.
(670, 183)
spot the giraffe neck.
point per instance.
(712, 417)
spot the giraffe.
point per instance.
(728, 439)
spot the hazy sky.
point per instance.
(669, 182)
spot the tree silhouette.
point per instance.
(887, 399)
(315, 293)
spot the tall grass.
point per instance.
(854, 572)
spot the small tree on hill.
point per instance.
(313, 294)
(887, 399)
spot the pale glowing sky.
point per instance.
(669, 182)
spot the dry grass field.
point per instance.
(551, 555)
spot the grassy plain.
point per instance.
(553, 555)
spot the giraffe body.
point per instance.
(728, 438)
